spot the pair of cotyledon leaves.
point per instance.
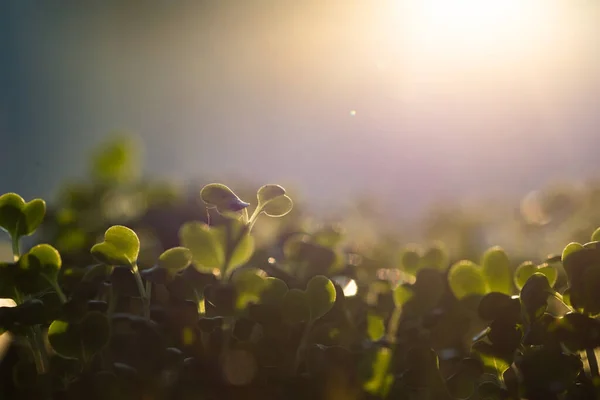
(20, 218)
(582, 266)
(272, 200)
(494, 274)
(297, 305)
(414, 258)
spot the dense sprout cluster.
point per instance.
(127, 297)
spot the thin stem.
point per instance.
(140, 286)
(149, 292)
(593, 362)
(254, 217)
(57, 289)
(394, 324)
(15, 248)
(302, 346)
(38, 349)
(112, 300)
(39, 365)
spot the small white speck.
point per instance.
(353, 113)
(271, 260)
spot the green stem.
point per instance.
(394, 324)
(38, 349)
(593, 362)
(57, 289)
(112, 300)
(149, 292)
(231, 244)
(254, 217)
(302, 346)
(140, 286)
(15, 248)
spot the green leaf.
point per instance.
(496, 270)
(496, 305)
(207, 252)
(435, 257)
(328, 236)
(222, 198)
(42, 259)
(381, 378)
(295, 307)
(279, 207)
(274, 291)
(526, 269)
(19, 218)
(117, 161)
(121, 246)
(80, 340)
(34, 212)
(320, 292)
(489, 357)
(402, 294)
(596, 235)
(410, 259)
(466, 278)
(175, 259)
(268, 193)
(236, 242)
(570, 249)
(375, 327)
(534, 295)
(249, 286)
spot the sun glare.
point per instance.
(453, 29)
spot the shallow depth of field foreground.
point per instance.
(131, 289)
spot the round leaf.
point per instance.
(496, 269)
(320, 292)
(11, 205)
(496, 305)
(295, 307)
(121, 246)
(175, 259)
(436, 257)
(410, 260)
(274, 291)
(466, 278)
(279, 206)
(207, 252)
(19, 218)
(526, 269)
(43, 259)
(570, 249)
(534, 295)
(80, 340)
(248, 286)
(116, 161)
(268, 193)
(524, 272)
(33, 214)
(224, 199)
(596, 236)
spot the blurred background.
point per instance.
(415, 104)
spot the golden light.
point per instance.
(473, 31)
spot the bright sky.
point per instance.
(334, 96)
